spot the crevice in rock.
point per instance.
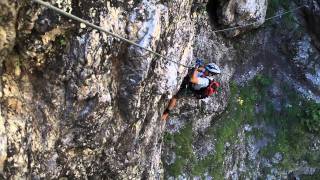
(213, 8)
(312, 22)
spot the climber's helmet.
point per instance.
(213, 68)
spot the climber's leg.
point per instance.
(172, 104)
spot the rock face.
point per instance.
(235, 13)
(312, 13)
(286, 51)
(7, 21)
(77, 103)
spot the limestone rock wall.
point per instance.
(285, 49)
(240, 13)
(78, 103)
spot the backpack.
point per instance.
(187, 86)
(211, 89)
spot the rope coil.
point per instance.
(71, 16)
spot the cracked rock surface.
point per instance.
(77, 103)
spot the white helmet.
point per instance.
(212, 67)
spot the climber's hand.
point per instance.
(199, 62)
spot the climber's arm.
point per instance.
(194, 78)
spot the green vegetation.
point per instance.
(200, 167)
(18, 62)
(240, 111)
(261, 83)
(293, 137)
(275, 5)
(311, 117)
(182, 148)
(185, 159)
(294, 125)
(313, 177)
(61, 40)
(225, 130)
(3, 19)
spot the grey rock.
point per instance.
(277, 158)
(78, 103)
(241, 13)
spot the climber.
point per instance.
(200, 81)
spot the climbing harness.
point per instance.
(135, 44)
